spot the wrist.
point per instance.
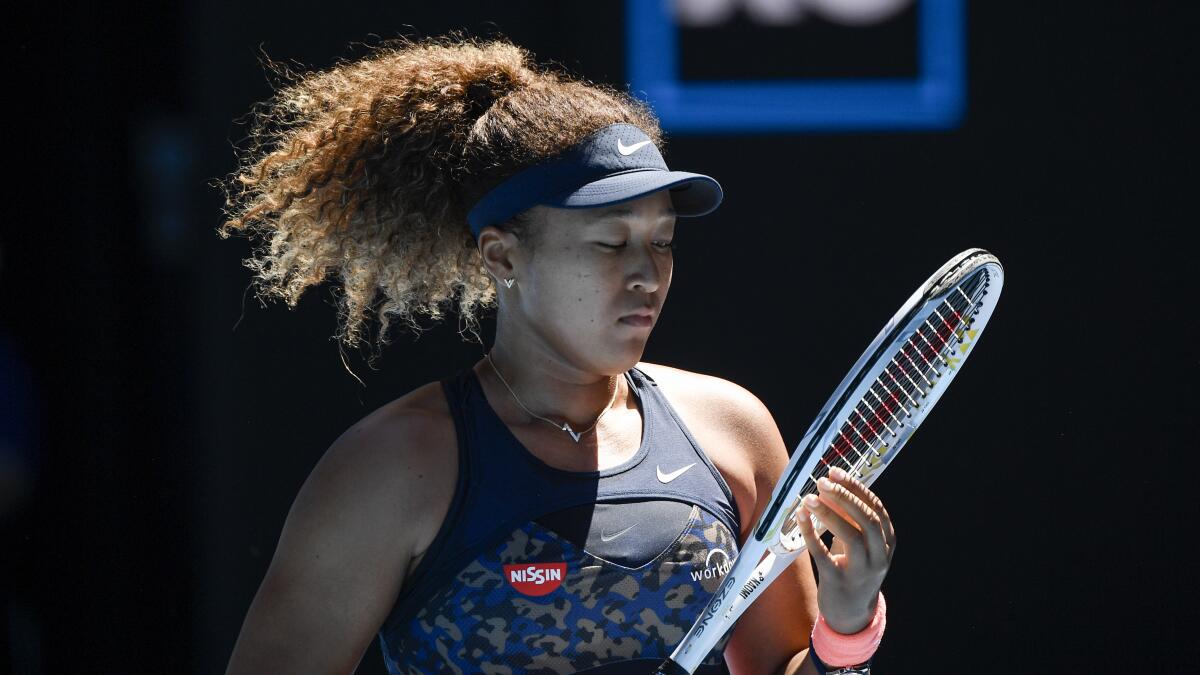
(826, 669)
(851, 622)
(831, 650)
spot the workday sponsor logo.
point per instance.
(715, 566)
(535, 578)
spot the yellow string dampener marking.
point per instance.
(875, 462)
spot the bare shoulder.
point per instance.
(352, 534)
(412, 430)
(734, 427)
(391, 472)
(712, 396)
(404, 451)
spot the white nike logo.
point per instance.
(604, 536)
(668, 477)
(629, 149)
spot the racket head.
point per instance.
(891, 388)
(775, 541)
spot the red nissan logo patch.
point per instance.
(535, 578)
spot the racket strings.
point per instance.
(897, 391)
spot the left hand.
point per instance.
(864, 541)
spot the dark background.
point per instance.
(1045, 516)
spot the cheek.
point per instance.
(574, 284)
(587, 288)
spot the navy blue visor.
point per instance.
(614, 164)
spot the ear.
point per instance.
(497, 248)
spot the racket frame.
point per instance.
(772, 544)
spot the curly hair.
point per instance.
(366, 171)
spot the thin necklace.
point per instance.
(575, 435)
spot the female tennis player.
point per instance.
(559, 506)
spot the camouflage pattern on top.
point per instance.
(600, 612)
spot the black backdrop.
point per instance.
(1044, 514)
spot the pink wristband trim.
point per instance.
(838, 649)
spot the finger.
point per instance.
(840, 510)
(816, 548)
(835, 522)
(838, 547)
(863, 515)
(860, 490)
(889, 531)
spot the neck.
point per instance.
(549, 385)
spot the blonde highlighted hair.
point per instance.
(364, 173)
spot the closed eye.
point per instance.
(661, 245)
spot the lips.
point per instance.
(641, 319)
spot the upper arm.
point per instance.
(777, 625)
(342, 555)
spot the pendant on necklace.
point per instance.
(574, 435)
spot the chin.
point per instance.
(605, 353)
(625, 357)
(612, 358)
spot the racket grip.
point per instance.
(669, 667)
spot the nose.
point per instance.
(644, 273)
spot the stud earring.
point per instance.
(509, 282)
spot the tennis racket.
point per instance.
(872, 413)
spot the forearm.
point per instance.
(800, 664)
(871, 630)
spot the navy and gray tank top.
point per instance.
(541, 570)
